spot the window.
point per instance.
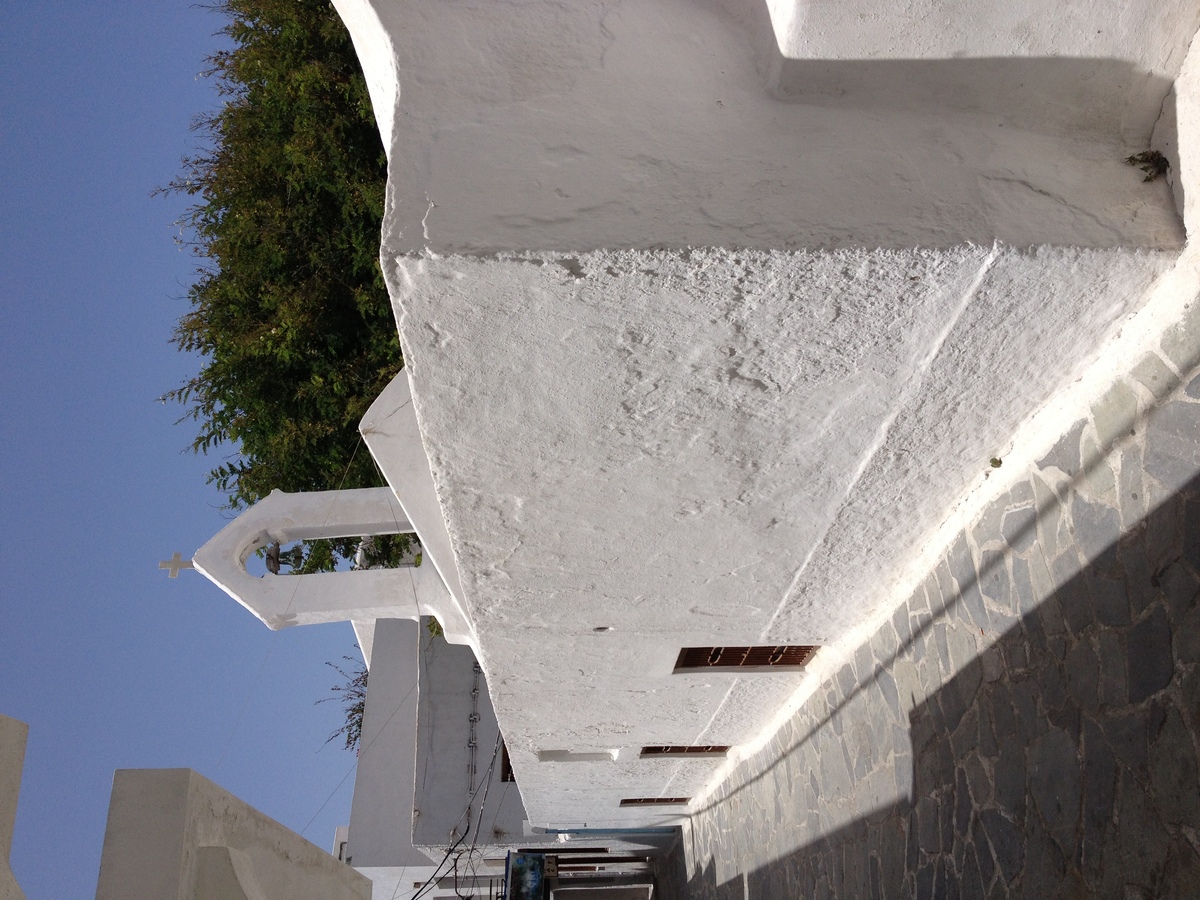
(655, 801)
(709, 750)
(752, 659)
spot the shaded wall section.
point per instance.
(676, 123)
(174, 835)
(1027, 722)
(460, 757)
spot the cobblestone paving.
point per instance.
(1027, 723)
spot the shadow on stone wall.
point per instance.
(1060, 762)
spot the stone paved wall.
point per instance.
(1026, 724)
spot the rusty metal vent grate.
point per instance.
(780, 657)
(655, 801)
(678, 750)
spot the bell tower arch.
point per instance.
(360, 596)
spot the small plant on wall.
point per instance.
(1152, 163)
(353, 696)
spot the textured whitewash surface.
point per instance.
(713, 447)
(748, 441)
(542, 125)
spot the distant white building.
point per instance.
(714, 312)
(433, 776)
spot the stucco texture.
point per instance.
(540, 125)
(174, 835)
(714, 447)
(711, 318)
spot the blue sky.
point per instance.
(112, 664)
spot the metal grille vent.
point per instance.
(780, 657)
(675, 750)
(655, 801)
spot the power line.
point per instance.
(275, 634)
(361, 754)
(465, 813)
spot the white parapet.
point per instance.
(714, 312)
(393, 435)
(673, 123)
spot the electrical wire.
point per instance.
(275, 634)
(437, 871)
(472, 864)
(457, 892)
(358, 759)
(483, 802)
(474, 872)
(237, 722)
(479, 815)
(486, 783)
(465, 813)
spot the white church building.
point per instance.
(719, 318)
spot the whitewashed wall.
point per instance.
(669, 383)
(544, 126)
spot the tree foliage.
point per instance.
(288, 310)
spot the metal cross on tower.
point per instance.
(175, 563)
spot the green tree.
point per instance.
(289, 310)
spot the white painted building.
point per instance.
(433, 775)
(714, 315)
